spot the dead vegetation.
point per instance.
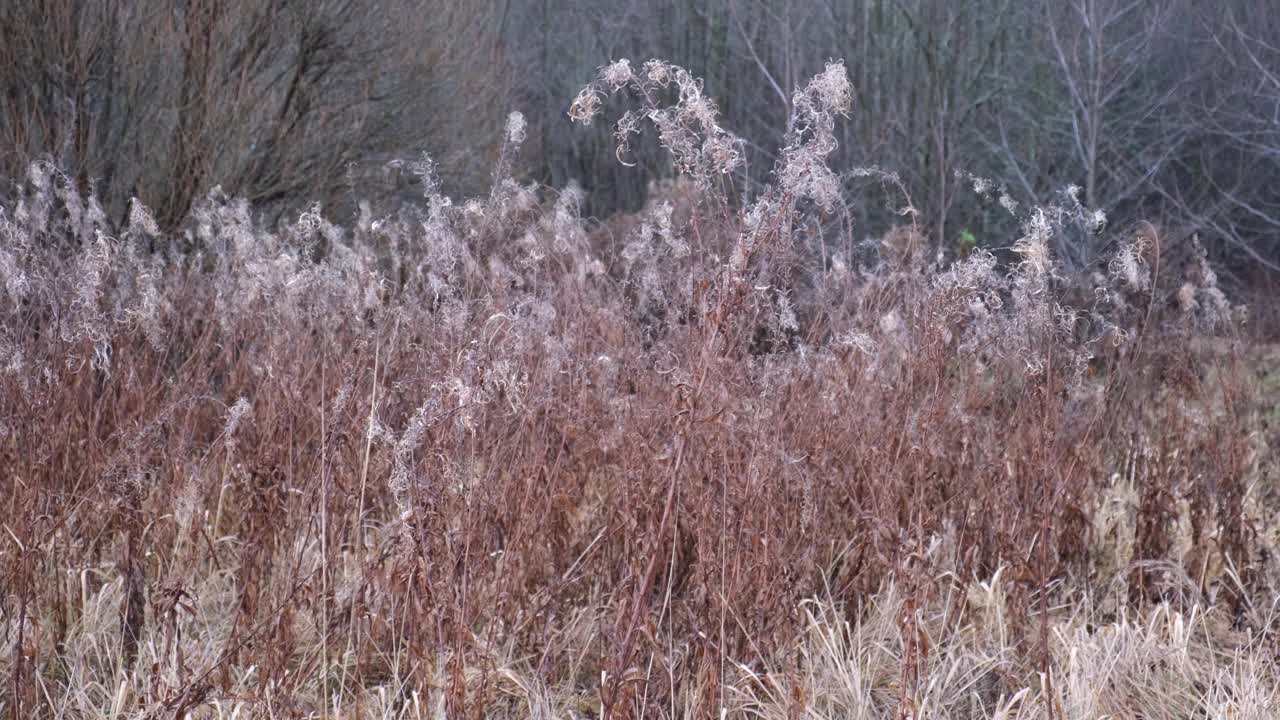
(474, 460)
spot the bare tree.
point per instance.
(1228, 186)
(1091, 106)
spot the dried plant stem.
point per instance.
(324, 547)
(357, 529)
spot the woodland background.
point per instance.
(1157, 109)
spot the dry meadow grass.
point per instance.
(718, 460)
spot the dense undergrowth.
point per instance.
(721, 459)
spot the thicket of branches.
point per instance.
(282, 103)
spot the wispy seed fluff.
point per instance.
(516, 128)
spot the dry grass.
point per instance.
(472, 460)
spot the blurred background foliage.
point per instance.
(1157, 109)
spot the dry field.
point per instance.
(722, 459)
